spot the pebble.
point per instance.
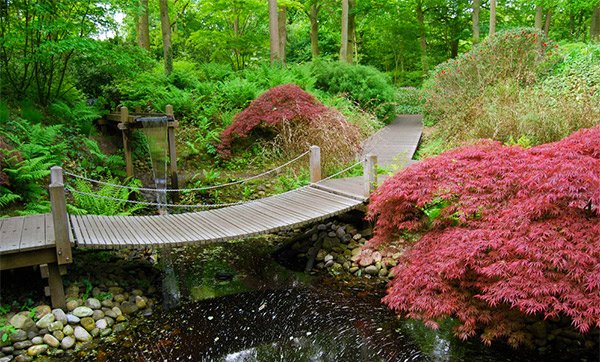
(327, 258)
(23, 358)
(372, 270)
(8, 349)
(88, 323)
(98, 314)
(72, 304)
(83, 312)
(59, 335)
(81, 334)
(55, 326)
(60, 315)
(110, 313)
(20, 321)
(107, 303)
(67, 342)
(23, 344)
(128, 308)
(18, 336)
(51, 340)
(105, 332)
(71, 319)
(6, 359)
(45, 321)
(140, 302)
(42, 310)
(120, 327)
(68, 330)
(101, 324)
(117, 311)
(37, 350)
(119, 298)
(92, 303)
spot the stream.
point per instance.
(241, 305)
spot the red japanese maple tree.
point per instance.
(299, 120)
(506, 231)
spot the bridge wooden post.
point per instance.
(61, 236)
(172, 151)
(315, 164)
(370, 174)
(126, 140)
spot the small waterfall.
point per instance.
(155, 132)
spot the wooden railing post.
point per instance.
(61, 236)
(123, 126)
(370, 174)
(315, 164)
(172, 151)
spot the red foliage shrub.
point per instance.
(298, 119)
(516, 231)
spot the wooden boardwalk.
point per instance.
(395, 145)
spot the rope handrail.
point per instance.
(189, 189)
(147, 203)
(342, 171)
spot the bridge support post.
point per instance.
(315, 164)
(172, 152)
(370, 174)
(61, 236)
(126, 141)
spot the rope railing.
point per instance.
(188, 189)
(360, 162)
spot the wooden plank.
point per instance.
(254, 212)
(167, 234)
(27, 258)
(10, 235)
(98, 240)
(112, 229)
(222, 225)
(176, 223)
(34, 233)
(87, 233)
(49, 229)
(194, 232)
(311, 202)
(141, 230)
(285, 203)
(200, 220)
(340, 199)
(132, 238)
(237, 219)
(275, 202)
(76, 229)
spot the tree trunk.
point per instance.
(344, 35)
(143, 31)
(475, 18)
(595, 25)
(539, 17)
(314, 30)
(422, 36)
(273, 31)
(492, 17)
(165, 23)
(547, 24)
(351, 31)
(281, 23)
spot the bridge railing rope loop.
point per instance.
(189, 189)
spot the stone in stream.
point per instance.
(98, 314)
(322, 227)
(101, 324)
(45, 321)
(81, 334)
(18, 335)
(88, 323)
(107, 303)
(51, 340)
(83, 312)
(23, 344)
(56, 326)
(376, 256)
(105, 332)
(119, 298)
(6, 359)
(67, 342)
(67, 330)
(23, 358)
(72, 305)
(357, 237)
(20, 321)
(140, 302)
(327, 258)
(60, 315)
(37, 350)
(110, 313)
(59, 335)
(93, 303)
(365, 260)
(42, 310)
(372, 270)
(329, 263)
(9, 349)
(71, 319)
(128, 308)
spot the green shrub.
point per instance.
(409, 101)
(80, 116)
(84, 204)
(512, 85)
(367, 86)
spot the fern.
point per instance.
(7, 197)
(85, 204)
(80, 116)
(101, 164)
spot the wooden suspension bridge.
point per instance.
(46, 240)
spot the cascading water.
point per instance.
(155, 132)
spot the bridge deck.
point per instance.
(292, 209)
